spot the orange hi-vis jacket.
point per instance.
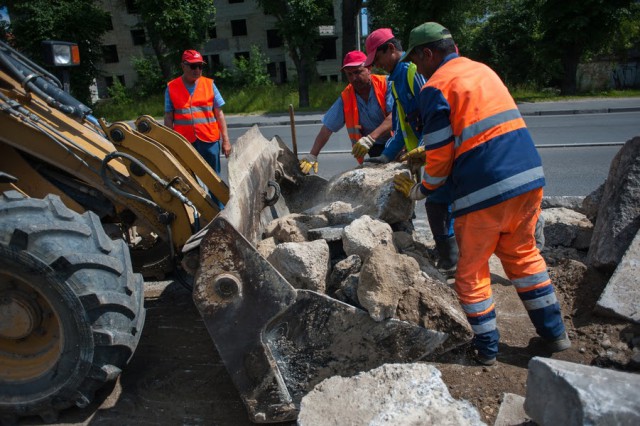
(475, 134)
(193, 115)
(351, 118)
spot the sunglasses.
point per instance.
(194, 66)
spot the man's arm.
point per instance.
(384, 129)
(224, 135)
(321, 140)
(168, 119)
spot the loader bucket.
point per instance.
(278, 342)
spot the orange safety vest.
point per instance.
(350, 106)
(500, 158)
(193, 115)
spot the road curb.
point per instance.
(583, 111)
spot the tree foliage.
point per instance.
(174, 26)
(297, 24)
(78, 21)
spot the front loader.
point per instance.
(88, 207)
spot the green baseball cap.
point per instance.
(425, 33)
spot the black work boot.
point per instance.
(448, 256)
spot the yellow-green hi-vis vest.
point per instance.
(410, 139)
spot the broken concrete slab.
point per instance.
(305, 265)
(341, 270)
(393, 394)
(619, 211)
(364, 234)
(591, 204)
(384, 277)
(567, 228)
(433, 305)
(621, 296)
(572, 202)
(565, 393)
(511, 412)
(370, 191)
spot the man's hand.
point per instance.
(363, 146)
(382, 159)
(226, 147)
(415, 155)
(408, 187)
(309, 162)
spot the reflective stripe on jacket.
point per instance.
(193, 115)
(410, 138)
(485, 146)
(350, 103)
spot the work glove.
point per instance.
(416, 155)
(408, 187)
(363, 146)
(382, 159)
(309, 162)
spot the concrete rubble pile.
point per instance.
(359, 246)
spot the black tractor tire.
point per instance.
(72, 308)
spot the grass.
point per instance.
(240, 100)
(276, 99)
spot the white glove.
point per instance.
(309, 162)
(363, 146)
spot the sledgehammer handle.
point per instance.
(293, 130)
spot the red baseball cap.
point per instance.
(355, 58)
(192, 57)
(375, 40)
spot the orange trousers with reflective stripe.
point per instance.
(506, 229)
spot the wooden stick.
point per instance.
(293, 131)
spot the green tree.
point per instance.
(252, 72)
(297, 24)
(78, 21)
(571, 29)
(508, 40)
(403, 15)
(174, 26)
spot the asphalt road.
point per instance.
(576, 149)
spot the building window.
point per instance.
(110, 54)
(214, 62)
(213, 32)
(131, 6)
(239, 55)
(109, 80)
(273, 39)
(327, 49)
(235, 1)
(138, 37)
(239, 27)
(109, 22)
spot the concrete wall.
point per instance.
(606, 75)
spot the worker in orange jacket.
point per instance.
(474, 134)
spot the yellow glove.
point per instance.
(408, 187)
(309, 162)
(363, 146)
(415, 155)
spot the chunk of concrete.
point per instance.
(571, 202)
(369, 189)
(384, 277)
(591, 204)
(511, 412)
(621, 296)
(305, 265)
(619, 211)
(336, 212)
(565, 393)
(567, 228)
(434, 305)
(341, 270)
(393, 394)
(364, 234)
